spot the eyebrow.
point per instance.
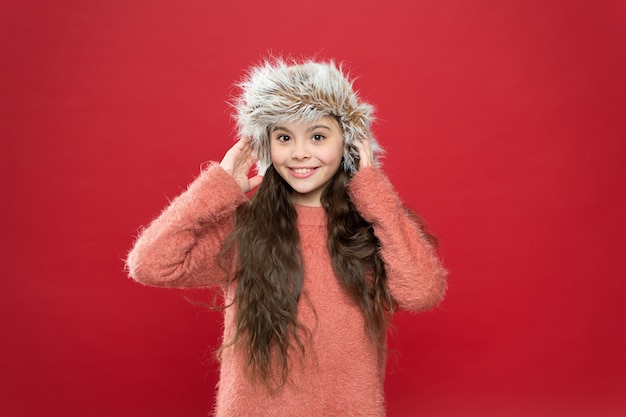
(309, 129)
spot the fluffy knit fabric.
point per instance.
(277, 92)
(341, 373)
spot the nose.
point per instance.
(300, 150)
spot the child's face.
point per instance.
(307, 156)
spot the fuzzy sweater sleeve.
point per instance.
(416, 278)
(180, 247)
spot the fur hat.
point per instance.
(277, 92)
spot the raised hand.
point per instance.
(238, 161)
(366, 154)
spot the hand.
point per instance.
(366, 155)
(238, 161)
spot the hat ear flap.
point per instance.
(356, 127)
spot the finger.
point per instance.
(244, 165)
(367, 144)
(247, 149)
(242, 148)
(255, 181)
(365, 154)
(232, 158)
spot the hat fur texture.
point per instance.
(279, 92)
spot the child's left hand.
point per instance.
(366, 155)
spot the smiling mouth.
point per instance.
(302, 172)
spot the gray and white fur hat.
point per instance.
(277, 92)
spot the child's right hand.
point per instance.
(238, 161)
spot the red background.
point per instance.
(505, 128)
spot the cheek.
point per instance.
(333, 155)
(276, 155)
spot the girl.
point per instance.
(312, 265)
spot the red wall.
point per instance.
(505, 127)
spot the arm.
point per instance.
(180, 247)
(415, 276)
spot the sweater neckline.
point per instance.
(308, 215)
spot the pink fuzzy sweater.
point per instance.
(341, 373)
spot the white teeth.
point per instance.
(302, 170)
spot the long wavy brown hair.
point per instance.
(269, 273)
